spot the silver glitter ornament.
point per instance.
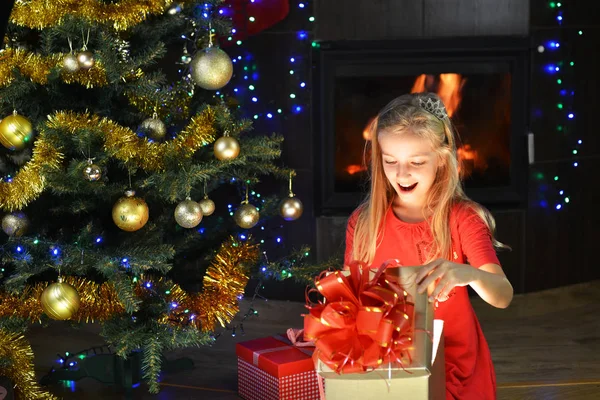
(92, 172)
(207, 206)
(154, 128)
(211, 68)
(15, 223)
(70, 63)
(188, 213)
(246, 216)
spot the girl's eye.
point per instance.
(418, 164)
(389, 162)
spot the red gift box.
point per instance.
(272, 368)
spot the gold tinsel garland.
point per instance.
(38, 67)
(225, 280)
(98, 302)
(29, 182)
(123, 143)
(122, 15)
(15, 348)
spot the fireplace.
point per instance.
(482, 81)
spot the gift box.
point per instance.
(273, 368)
(421, 372)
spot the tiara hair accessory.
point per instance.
(435, 107)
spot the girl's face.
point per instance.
(410, 165)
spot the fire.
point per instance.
(367, 131)
(469, 159)
(354, 169)
(449, 88)
(419, 85)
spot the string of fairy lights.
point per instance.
(558, 69)
(245, 86)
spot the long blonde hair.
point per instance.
(405, 114)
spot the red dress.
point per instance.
(469, 371)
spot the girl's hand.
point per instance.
(447, 274)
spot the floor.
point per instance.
(546, 345)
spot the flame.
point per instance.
(368, 129)
(469, 159)
(449, 89)
(419, 85)
(354, 169)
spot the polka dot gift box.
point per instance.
(272, 368)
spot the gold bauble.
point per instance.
(226, 148)
(188, 214)
(15, 131)
(154, 128)
(246, 216)
(211, 68)
(15, 223)
(85, 59)
(207, 206)
(130, 213)
(60, 301)
(70, 63)
(291, 208)
(92, 172)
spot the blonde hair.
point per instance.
(406, 114)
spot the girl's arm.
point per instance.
(491, 285)
(484, 274)
(488, 281)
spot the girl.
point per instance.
(418, 213)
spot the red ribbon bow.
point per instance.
(362, 323)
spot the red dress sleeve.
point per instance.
(475, 238)
(350, 237)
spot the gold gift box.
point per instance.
(423, 379)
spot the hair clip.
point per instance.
(435, 107)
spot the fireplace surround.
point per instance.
(483, 81)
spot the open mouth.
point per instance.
(407, 189)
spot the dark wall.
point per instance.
(401, 19)
(551, 247)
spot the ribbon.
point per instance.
(292, 340)
(363, 323)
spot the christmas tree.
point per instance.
(121, 146)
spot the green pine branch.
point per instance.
(126, 294)
(151, 362)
